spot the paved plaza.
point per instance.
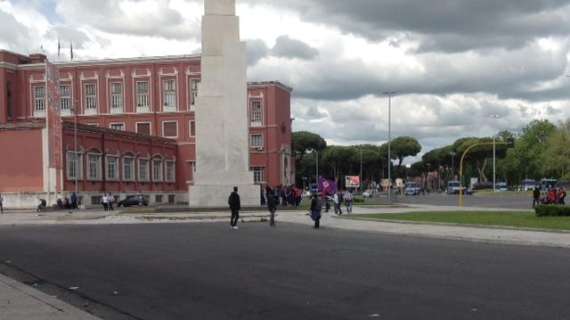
(207, 271)
(189, 265)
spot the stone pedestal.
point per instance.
(222, 146)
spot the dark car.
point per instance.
(130, 201)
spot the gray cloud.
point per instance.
(505, 73)
(256, 50)
(67, 35)
(14, 35)
(110, 16)
(442, 25)
(285, 47)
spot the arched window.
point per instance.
(157, 169)
(128, 167)
(94, 165)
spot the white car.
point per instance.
(412, 189)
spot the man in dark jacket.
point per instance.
(316, 210)
(535, 197)
(235, 207)
(271, 205)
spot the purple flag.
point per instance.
(327, 187)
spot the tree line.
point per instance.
(339, 161)
(540, 150)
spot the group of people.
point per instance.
(67, 203)
(272, 199)
(555, 196)
(338, 199)
(285, 196)
(107, 201)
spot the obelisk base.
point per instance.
(216, 196)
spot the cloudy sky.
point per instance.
(453, 62)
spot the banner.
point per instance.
(53, 120)
(327, 187)
(352, 181)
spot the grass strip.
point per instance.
(523, 220)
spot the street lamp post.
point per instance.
(495, 116)
(361, 184)
(453, 154)
(310, 151)
(317, 167)
(390, 94)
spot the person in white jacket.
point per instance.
(337, 198)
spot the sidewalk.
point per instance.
(451, 232)
(21, 302)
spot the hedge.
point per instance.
(552, 211)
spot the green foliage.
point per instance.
(528, 158)
(304, 141)
(557, 154)
(403, 147)
(358, 200)
(552, 211)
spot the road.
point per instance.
(207, 271)
(505, 201)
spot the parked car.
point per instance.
(453, 187)
(368, 193)
(529, 185)
(547, 184)
(412, 189)
(133, 200)
(483, 186)
(502, 186)
(563, 184)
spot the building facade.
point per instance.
(141, 97)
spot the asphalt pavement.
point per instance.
(487, 200)
(207, 271)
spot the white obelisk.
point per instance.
(222, 148)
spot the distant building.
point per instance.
(137, 132)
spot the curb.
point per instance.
(37, 306)
(449, 224)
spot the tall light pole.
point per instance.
(317, 167)
(453, 154)
(495, 116)
(390, 94)
(361, 184)
(310, 151)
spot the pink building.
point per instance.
(142, 97)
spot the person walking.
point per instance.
(271, 205)
(337, 198)
(104, 202)
(1, 204)
(235, 206)
(74, 204)
(110, 201)
(536, 197)
(562, 196)
(348, 201)
(316, 208)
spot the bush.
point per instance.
(552, 211)
(358, 200)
